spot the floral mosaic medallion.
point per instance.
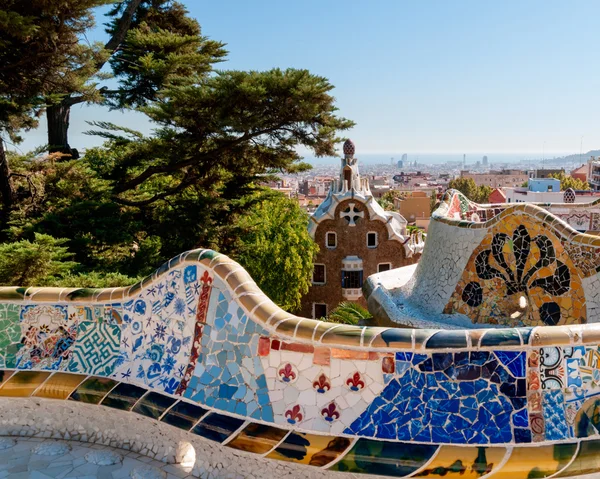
(520, 275)
(47, 337)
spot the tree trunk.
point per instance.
(6, 190)
(58, 128)
(57, 116)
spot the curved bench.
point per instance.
(199, 347)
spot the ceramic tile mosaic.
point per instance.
(520, 275)
(229, 375)
(199, 349)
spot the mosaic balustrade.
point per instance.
(199, 347)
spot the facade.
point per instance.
(497, 196)
(525, 195)
(415, 205)
(539, 185)
(582, 173)
(594, 178)
(498, 179)
(545, 172)
(357, 238)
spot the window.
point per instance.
(381, 267)
(352, 279)
(371, 240)
(549, 187)
(319, 310)
(331, 240)
(319, 274)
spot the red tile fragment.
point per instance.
(388, 365)
(275, 344)
(264, 346)
(322, 356)
(348, 354)
(297, 347)
(373, 355)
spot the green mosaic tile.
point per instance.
(10, 334)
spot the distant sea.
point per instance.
(440, 158)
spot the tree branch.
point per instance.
(121, 30)
(152, 170)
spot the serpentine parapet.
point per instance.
(488, 365)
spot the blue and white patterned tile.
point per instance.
(158, 328)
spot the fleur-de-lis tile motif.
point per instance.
(321, 384)
(287, 374)
(330, 412)
(355, 382)
(294, 415)
(518, 278)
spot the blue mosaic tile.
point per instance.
(450, 398)
(229, 375)
(554, 415)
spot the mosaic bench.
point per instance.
(199, 347)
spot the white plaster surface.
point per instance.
(591, 289)
(447, 252)
(415, 296)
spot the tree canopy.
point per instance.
(567, 181)
(467, 186)
(196, 181)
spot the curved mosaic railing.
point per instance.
(198, 346)
(521, 267)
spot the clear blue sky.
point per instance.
(422, 76)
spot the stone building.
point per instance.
(357, 238)
(497, 179)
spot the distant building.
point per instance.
(547, 190)
(545, 172)
(594, 176)
(497, 196)
(497, 179)
(357, 238)
(415, 207)
(484, 161)
(582, 173)
(538, 185)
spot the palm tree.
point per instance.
(349, 313)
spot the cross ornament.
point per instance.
(352, 214)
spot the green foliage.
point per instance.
(349, 313)
(135, 202)
(433, 202)
(276, 249)
(567, 181)
(37, 262)
(93, 279)
(163, 48)
(387, 199)
(41, 56)
(467, 186)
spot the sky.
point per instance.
(418, 76)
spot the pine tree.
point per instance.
(40, 55)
